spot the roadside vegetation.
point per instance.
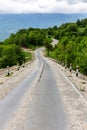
(11, 52)
(71, 48)
(72, 45)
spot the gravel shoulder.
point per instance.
(74, 100)
(8, 83)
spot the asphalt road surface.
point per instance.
(46, 110)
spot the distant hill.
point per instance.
(11, 23)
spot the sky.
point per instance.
(43, 6)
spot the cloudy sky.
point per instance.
(41, 6)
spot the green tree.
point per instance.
(48, 45)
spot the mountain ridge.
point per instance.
(11, 23)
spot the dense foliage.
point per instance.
(29, 38)
(10, 55)
(10, 50)
(72, 45)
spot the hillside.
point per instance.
(10, 49)
(72, 46)
(11, 23)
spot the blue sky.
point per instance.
(43, 6)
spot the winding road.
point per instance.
(46, 111)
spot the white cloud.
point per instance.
(33, 6)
